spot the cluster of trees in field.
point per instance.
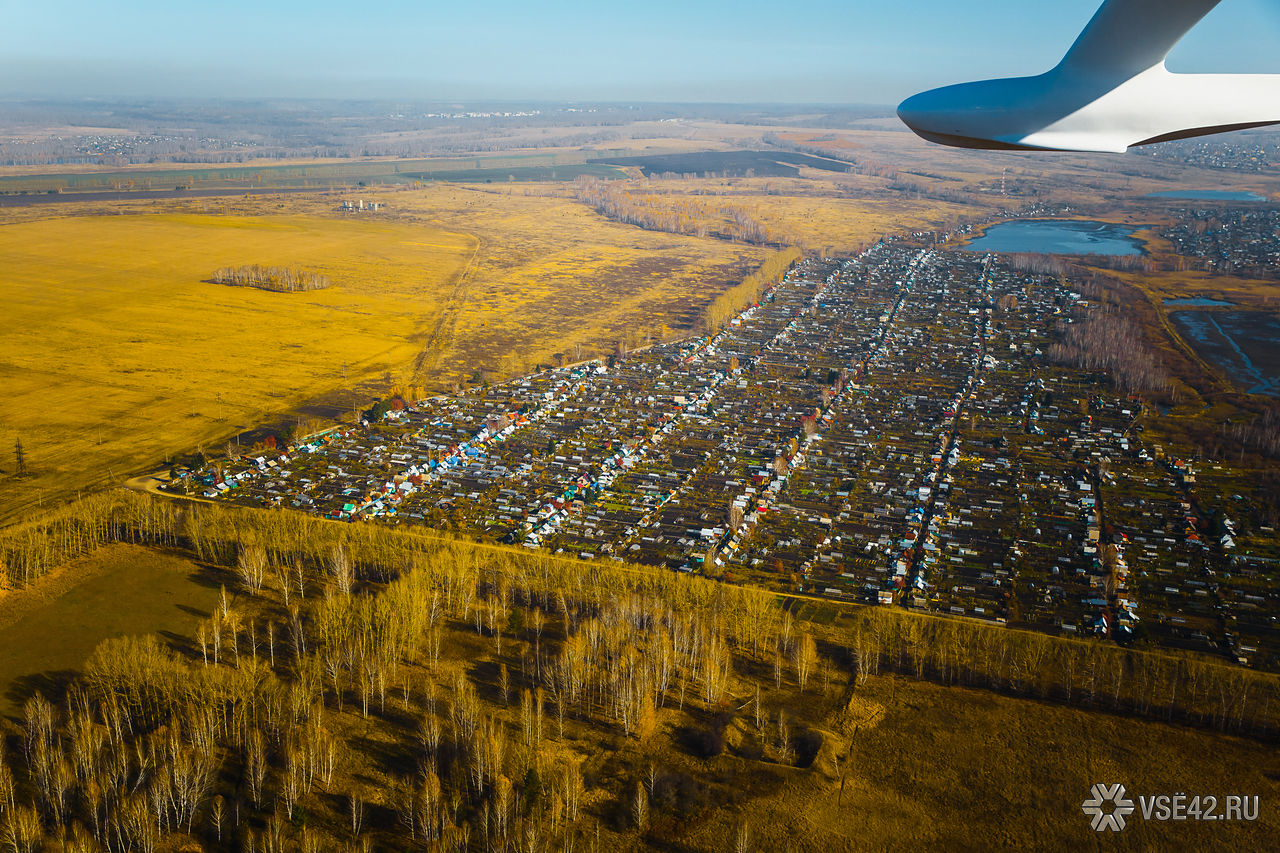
(936, 190)
(1041, 264)
(1262, 433)
(1125, 263)
(674, 215)
(1103, 339)
(279, 279)
(749, 290)
(1081, 269)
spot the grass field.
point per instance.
(116, 351)
(959, 769)
(48, 630)
(552, 275)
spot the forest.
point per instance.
(368, 687)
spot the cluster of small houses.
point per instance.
(359, 205)
(883, 428)
(1235, 239)
(1240, 154)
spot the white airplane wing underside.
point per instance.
(1131, 36)
(1110, 92)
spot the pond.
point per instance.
(1245, 344)
(1059, 237)
(1210, 195)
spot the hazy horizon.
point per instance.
(811, 53)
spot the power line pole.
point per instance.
(21, 455)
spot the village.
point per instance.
(1239, 240)
(884, 429)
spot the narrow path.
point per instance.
(446, 324)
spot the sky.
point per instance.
(803, 51)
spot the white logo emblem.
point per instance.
(1103, 794)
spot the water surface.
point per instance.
(1210, 195)
(1244, 344)
(1198, 302)
(1059, 237)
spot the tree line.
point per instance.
(749, 290)
(616, 200)
(1261, 432)
(315, 552)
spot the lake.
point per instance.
(1244, 344)
(1210, 195)
(1198, 302)
(1059, 237)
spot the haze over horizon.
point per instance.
(812, 52)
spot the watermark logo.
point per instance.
(1109, 805)
(1103, 818)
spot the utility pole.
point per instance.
(21, 456)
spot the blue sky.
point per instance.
(832, 52)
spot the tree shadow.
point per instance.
(210, 577)
(389, 757)
(52, 685)
(183, 645)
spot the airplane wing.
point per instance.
(1110, 92)
(1126, 37)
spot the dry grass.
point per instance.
(552, 275)
(968, 770)
(49, 629)
(116, 352)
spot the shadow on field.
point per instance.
(52, 685)
(209, 577)
(182, 644)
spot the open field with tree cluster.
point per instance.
(117, 348)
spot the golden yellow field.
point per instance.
(848, 225)
(116, 352)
